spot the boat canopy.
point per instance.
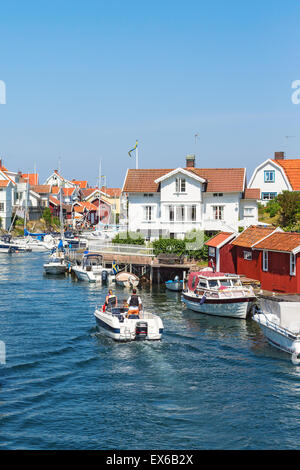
(26, 234)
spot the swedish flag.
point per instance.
(136, 144)
(115, 268)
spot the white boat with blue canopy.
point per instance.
(175, 285)
(92, 269)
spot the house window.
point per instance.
(269, 176)
(148, 213)
(217, 194)
(180, 185)
(268, 196)
(248, 212)
(292, 264)
(211, 251)
(248, 255)
(1, 206)
(180, 213)
(171, 213)
(218, 212)
(265, 260)
(191, 213)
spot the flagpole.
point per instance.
(137, 158)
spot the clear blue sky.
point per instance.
(86, 78)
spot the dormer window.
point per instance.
(180, 185)
(270, 176)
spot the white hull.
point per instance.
(55, 268)
(280, 324)
(174, 286)
(127, 280)
(233, 310)
(5, 250)
(126, 330)
(91, 276)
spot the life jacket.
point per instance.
(134, 301)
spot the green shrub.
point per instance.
(128, 238)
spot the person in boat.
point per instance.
(134, 301)
(111, 300)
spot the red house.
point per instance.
(268, 255)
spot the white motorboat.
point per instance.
(220, 294)
(34, 244)
(122, 324)
(279, 320)
(8, 246)
(125, 279)
(56, 264)
(92, 269)
(175, 285)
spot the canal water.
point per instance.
(210, 383)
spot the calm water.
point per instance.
(211, 383)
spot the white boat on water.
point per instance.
(56, 263)
(122, 324)
(34, 244)
(279, 320)
(92, 269)
(125, 279)
(220, 294)
(175, 285)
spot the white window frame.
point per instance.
(265, 260)
(248, 255)
(180, 185)
(267, 178)
(2, 207)
(292, 264)
(250, 211)
(148, 213)
(219, 211)
(212, 251)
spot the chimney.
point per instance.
(279, 155)
(190, 161)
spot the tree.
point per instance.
(289, 202)
(47, 216)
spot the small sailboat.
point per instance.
(125, 279)
(175, 285)
(57, 264)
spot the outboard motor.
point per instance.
(141, 330)
(104, 277)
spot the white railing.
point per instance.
(112, 248)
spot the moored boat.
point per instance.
(279, 320)
(175, 285)
(92, 269)
(122, 324)
(220, 294)
(125, 279)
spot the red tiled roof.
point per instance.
(112, 192)
(251, 235)
(80, 206)
(86, 192)
(218, 179)
(41, 188)
(291, 168)
(252, 193)
(3, 183)
(66, 191)
(218, 239)
(54, 200)
(31, 178)
(280, 241)
(81, 184)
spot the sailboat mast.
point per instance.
(99, 199)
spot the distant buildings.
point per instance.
(172, 202)
(276, 175)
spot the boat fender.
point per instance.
(295, 358)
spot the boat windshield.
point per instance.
(225, 282)
(236, 282)
(119, 310)
(213, 283)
